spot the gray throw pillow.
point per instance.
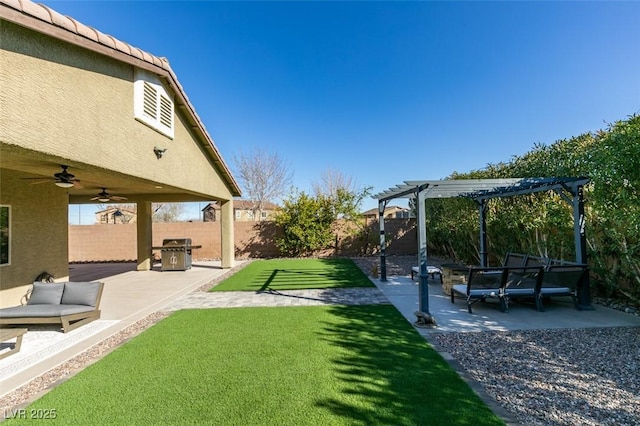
(80, 293)
(46, 294)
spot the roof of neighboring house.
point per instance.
(45, 20)
(108, 209)
(388, 208)
(244, 205)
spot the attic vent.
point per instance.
(150, 106)
(166, 112)
(153, 105)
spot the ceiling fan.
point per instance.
(105, 197)
(63, 179)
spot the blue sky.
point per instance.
(388, 91)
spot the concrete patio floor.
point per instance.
(128, 296)
(402, 292)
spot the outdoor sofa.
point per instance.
(71, 304)
(522, 276)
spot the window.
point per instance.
(263, 214)
(5, 235)
(238, 214)
(152, 103)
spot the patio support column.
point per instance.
(580, 236)
(482, 204)
(145, 235)
(423, 288)
(382, 205)
(227, 235)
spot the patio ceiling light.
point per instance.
(64, 184)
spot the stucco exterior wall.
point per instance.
(39, 234)
(92, 96)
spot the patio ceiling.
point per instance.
(27, 164)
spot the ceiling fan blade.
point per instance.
(117, 198)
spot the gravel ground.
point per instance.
(548, 377)
(555, 377)
(541, 377)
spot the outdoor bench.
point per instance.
(515, 259)
(560, 278)
(523, 276)
(71, 304)
(498, 283)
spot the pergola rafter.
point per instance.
(482, 190)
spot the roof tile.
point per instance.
(105, 39)
(35, 9)
(61, 20)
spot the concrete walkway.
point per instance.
(237, 299)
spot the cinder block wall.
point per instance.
(117, 242)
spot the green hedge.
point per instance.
(542, 224)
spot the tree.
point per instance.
(167, 212)
(264, 176)
(309, 223)
(306, 224)
(343, 192)
(333, 180)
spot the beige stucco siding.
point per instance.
(93, 96)
(39, 233)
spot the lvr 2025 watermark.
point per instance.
(31, 413)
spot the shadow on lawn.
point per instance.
(340, 272)
(401, 378)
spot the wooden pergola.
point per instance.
(482, 190)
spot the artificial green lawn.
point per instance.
(318, 365)
(291, 274)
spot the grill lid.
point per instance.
(176, 242)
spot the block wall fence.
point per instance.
(117, 242)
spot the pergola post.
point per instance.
(482, 204)
(580, 236)
(423, 288)
(382, 205)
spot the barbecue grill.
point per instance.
(176, 254)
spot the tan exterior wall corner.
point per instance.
(39, 230)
